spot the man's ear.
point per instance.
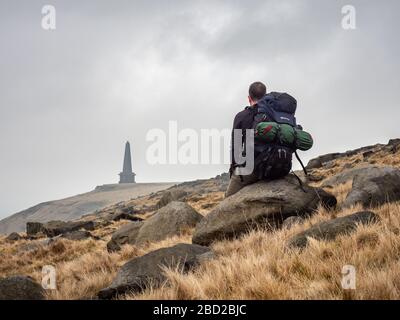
(251, 101)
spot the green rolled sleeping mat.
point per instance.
(284, 134)
(267, 131)
(304, 140)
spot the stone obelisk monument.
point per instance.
(127, 176)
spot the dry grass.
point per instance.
(83, 267)
(256, 266)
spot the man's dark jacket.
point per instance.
(243, 120)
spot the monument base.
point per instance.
(127, 178)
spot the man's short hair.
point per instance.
(257, 90)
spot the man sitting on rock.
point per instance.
(272, 160)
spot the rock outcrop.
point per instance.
(146, 270)
(321, 160)
(33, 228)
(329, 230)
(20, 288)
(55, 228)
(168, 196)
(374, 186)
(394, 142)
(14, 237)
(127, 234)
(171, 220)
(77, 235)
(345, 176)
(263, 203)
(123, 216)
(168, 221)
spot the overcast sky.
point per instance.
(112, 70)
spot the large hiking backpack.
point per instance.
(277, 136)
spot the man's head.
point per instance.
(257, 90)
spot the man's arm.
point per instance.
(236, 125)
